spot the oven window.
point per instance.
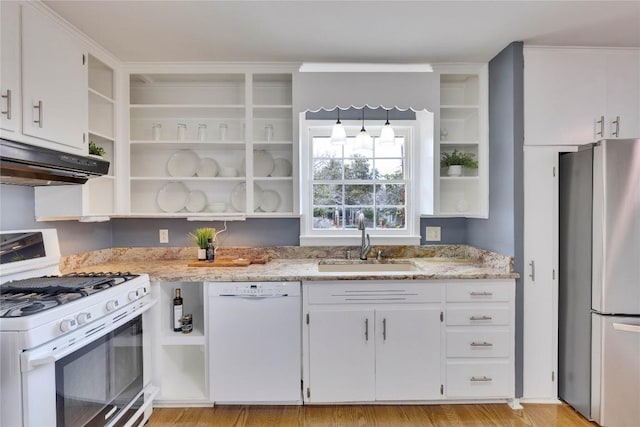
(97, 382)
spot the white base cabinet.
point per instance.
(368, 341)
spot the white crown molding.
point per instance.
(353, 67)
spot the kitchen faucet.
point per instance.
(364, 247)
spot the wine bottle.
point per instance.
(177, 311)
(210, 250)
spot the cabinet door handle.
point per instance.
(616, 122)
(481, 379)
(366, 329)
(39, 108)
(481, 344)
(384, 329)
(481, 294)
(601, 123)
(8, 97)
(533, 270)
(480, 318)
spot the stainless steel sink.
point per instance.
(337, 266)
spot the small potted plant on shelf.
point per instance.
(201, 238)
(96, 150)
(456, 160)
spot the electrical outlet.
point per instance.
(164, 236)
(432, 234)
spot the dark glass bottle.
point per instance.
(211, 252)
(177, 311)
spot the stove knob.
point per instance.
(112, 305)
(133, 295)
(67, 325)
(142, 291)
(83, 318)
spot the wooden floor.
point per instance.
(497, 415)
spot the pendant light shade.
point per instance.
(338, 133)
(363, 139)
(387, 135)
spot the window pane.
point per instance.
(390, 218)
(326, 218)
(322, 147)
(327, 194)
(327, 169)
(390, 168)
(358, 194)
(351, 213)
(358, 168)
(390, 194)
(390, 150)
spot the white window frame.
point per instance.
(419, 181)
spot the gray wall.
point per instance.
(17, 213)
(503, 231)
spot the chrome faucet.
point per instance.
(364, 246)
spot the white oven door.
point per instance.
(90, 377)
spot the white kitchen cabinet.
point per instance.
(240, 122)
(96, 199)
(54, 84)
(480, 335)
(462, 125)
(10, 103)
(372, 348)
(180, 360)
(576, 95)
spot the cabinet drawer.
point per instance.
(478, 343)
(391, 292)
(477, 316)
(486, 380)
(479, 292)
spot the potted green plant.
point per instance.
(201, 238)
(456, 160)
(96, 150)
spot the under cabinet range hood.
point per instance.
(24, 164)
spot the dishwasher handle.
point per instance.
(250, 296)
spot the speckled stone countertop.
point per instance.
(295, 263)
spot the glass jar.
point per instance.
(224, 128)
(202, 132)
(268, 133)
(156, 129)
(182, 131)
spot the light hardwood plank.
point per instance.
(494, 415)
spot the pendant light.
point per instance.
(338, 134)
(363, 140)
(387, 135)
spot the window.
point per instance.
(339, 181)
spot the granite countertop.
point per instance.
(295, 264)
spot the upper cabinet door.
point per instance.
(564, 94)
(623, 94)
(54, 74)
(10, 68)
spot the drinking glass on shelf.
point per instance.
(223, 131)
(182, 131)
(156, 129)
(202, 132)
(268, 133)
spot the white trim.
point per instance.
(309, 240)
(354, 67)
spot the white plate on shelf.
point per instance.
(208, 167)
(281, 167)
(172, 197)
(262, 163)
(239, 197)
(270, 201)
(196, 201)
(183, 163)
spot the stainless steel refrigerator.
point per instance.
(599, 282)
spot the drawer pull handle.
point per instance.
(8, 97)
(482, 379)
(39, 108)
(366, 329)
(481, 294)
(481, 344)
(384, 329)
(616, 122)
(480, 318)
(601, 123)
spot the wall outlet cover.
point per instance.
(164, 236)
(432, 234)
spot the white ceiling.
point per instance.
(345, 31)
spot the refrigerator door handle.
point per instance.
(626, 327)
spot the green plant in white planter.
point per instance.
(456, 160)
(201, 238)
(96, 150)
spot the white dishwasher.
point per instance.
(255, 351)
